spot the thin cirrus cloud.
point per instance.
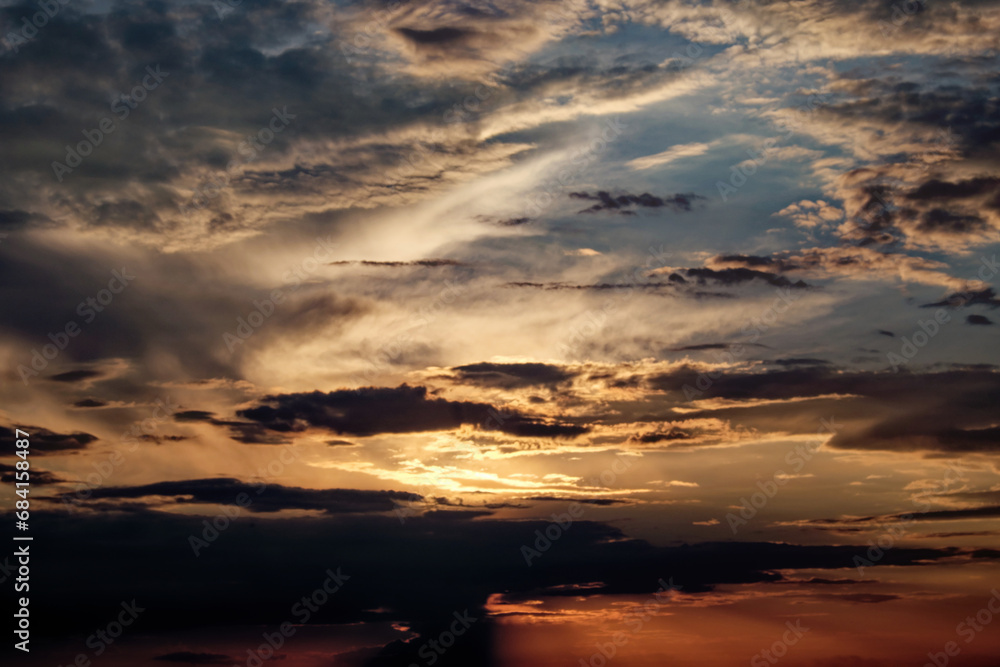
(672, 154)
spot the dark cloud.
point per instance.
(938, 211)
(950, 411)
(504, 222)
(38, 477)
(877, 522)
(191, 317)
(941, 220)
(935, 189)
(75, 376)
(980, 496)
(418, 262)
(623, 203)
(985, 297)
(341, 443)
(395, 567)
(822, 581)
(403, 409)
(514, 375)
(801, 361)
(251, 433)
(309, 313)
(774, 264)
(89, 403)
(986, 512)
(964, 533)
(157, 439)
(735, 276)
(700, 347)
(195, 658)
(677, 284)
(595, 286)
(917, 432)
(15, 220)
(863, 598)
(222, 79)
(853, 261)
(601, 502)
(850, 661)
(193, 416)
(661, 436)
(264, 498)
(446, 35)
(978, 319)
(44, 441)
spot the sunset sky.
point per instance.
(503, 334)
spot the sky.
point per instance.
(496, 334)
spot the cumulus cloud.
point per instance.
(811, 214)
